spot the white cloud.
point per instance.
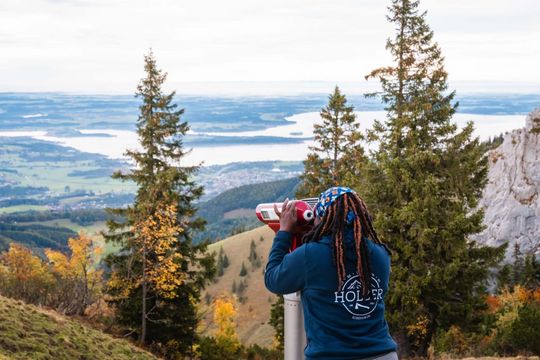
(97, 45)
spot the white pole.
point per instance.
(294, 333)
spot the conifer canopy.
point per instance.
(425, 180)
(158, 275)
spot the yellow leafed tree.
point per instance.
(158, 236)
(224, 317)
(78, 280)
(24, 275)
(156, 240)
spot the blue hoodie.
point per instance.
(340, 323)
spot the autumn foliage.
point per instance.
(224, 317)
(67, 282)
(78, 280)
(25, 276)
(511, 326)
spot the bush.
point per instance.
(255, 352)
(211, 349)
(510, 326)
(522, 334)
(452, 342)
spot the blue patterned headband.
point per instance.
(328, 197)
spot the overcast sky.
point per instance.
(98, 45)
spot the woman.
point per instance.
(342, 271)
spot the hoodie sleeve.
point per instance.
(285, 271)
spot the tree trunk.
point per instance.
(144, 291)
(336, 145)
(401, 69)
(86, 295)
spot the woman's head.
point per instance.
(340, 208)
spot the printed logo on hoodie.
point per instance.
(352, 299)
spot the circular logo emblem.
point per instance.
(352, 298)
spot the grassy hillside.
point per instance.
(254, 311)
(28, 332)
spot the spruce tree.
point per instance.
(531, 272)
(425, 180)
(252, 253)
(337, 152)
(243, 270)
(518, 266)
(219, 263)
(277, 321)
(163, 183)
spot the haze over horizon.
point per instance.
(97, 46)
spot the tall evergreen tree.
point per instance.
(337, 152)
(136, 285)
(425, 180)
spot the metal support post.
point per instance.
(295, 335)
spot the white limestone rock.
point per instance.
(511, 198)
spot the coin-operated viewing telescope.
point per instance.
(304, 215)
(295, 335)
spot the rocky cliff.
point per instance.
(512, 196)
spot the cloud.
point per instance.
(97, 45)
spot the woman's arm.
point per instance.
(285, 271)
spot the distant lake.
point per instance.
(283, 142)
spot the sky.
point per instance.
(97, 46)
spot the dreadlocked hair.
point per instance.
(334, 222)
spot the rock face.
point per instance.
(511, 198)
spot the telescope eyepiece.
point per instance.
(308, 215)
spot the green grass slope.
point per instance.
(28, 332)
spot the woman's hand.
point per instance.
(287, 215)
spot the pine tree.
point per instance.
(518, 266)
(425, 180)
(241, 288)
(337, 153)
(531, 272)
(277, 321)
(243, 270)
(252, 252)
(504, 278)
(219, 264)
(524, 271)
(157, 316)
